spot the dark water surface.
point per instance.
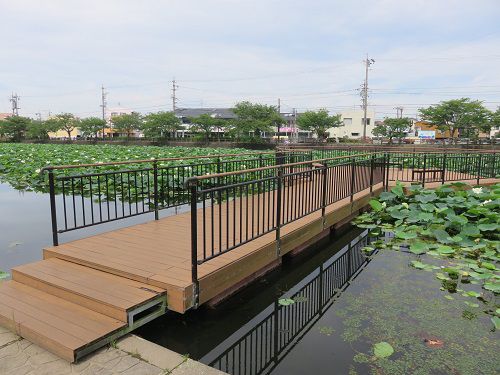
(25, 226)
(344, 305)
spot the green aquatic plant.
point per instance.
(382, 349)
(429, 334)
(458, 225)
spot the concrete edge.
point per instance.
(159, 356)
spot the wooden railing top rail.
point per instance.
(278, 166)
(388, 148)
(140, 161)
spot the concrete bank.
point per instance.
(130, 355)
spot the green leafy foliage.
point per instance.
(383, 349)
(318, 122)
(20, 164)
(455, 224)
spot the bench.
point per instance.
(435, 174)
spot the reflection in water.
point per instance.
(261, 347)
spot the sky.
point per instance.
(56, 54)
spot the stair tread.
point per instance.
(99, 286)
(59, 326)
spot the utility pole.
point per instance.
(364, 94)
(103, 106)
(14, 99)
(399, 112)
(294, 126)
(174, 97)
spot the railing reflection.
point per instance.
(279, 328)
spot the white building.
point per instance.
(352, 125)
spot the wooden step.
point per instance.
(99, 291)
(61, 327)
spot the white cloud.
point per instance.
(57, 53)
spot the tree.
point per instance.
(318, 122)
(127, 123)
(91, 126)
(458, 116)
(40, 129)
(393, 128)
(206, 124)
(254, 119)
(14, 127)
(64, 121)
(160, 124)
(495, 122)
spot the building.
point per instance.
(109, 132)
(3, 116)
(352, 125)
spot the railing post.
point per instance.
(443, 172)
(275, 330)
(479, 167)
(192, 184)
(423, 174)
(278, 211)
(386, 170)
(494, 166)
(320, 288)
(155, 188)
(324, 173)
(353, 177)
(372, 165)
(53, 212)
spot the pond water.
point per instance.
(343, 304)
(25, 226)
(341, 309)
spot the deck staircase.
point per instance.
(71, 309)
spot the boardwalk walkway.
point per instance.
(88, 292)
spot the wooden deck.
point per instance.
(87, 292)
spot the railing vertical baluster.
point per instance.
(155, 188)
(372, 165)
(479, 160)
(353, 176)
(323, 192)
(443, 172)
(193, 186)
(278, 211)
(53, 212)
(423, 174)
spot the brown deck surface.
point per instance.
(83, 290)
(158, 253)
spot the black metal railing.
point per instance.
(233, 214)
(101, 195)
(442, 167)
(266, 343)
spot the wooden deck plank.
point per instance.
(159, 252)
(96, 290)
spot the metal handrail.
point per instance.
(140, 161)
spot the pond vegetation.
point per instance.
(20, 164)
(456, 227)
